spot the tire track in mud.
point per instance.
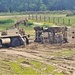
(25, 54)
(41, 59)
(41, 54)
(67, 69)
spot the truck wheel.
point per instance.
(15, 42)
(0, 43)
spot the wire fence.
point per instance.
(57, 20)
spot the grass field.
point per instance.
(59, 19)
(50, 20)
(31, 67)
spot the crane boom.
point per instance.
(24, 21)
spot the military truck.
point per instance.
(14, 36)
(54, 35)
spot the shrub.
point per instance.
(6, 21)
(30, 23)
(71, 14)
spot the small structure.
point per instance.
(54, 35)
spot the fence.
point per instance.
(56, 20)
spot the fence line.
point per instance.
(56, 20)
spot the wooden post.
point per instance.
(58, 19)
(63, 21)
(29, 16)
(36, 17)
(69, 21)
(44, 18)
(53, 19)
(49, 19)
(40, 17)
(32, 17)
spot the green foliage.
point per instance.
(6, 21)
(36, 5)
(30, 23)
(5, 26)
(70, 14)
(45, 25)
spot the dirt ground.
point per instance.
(61, 56)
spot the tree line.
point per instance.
(36, 5)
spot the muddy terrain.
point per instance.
(62, 57)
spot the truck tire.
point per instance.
(15, 42)
(0, 43)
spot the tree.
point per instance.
(36, 5)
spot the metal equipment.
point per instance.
(55, 35)
(14, 36)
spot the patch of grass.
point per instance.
(48, 25)
(13, 13)
(22, 70)
(6, 23)
(28, 29)
(30, 71)
(20, 60)
(5, 68)
(5, 26)
(0, 73)
(36, 64)
(67, 52)
(49, 69)
(64, 52)
(17, 68)
(45, 25)
(57, 73)
(44, 68)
